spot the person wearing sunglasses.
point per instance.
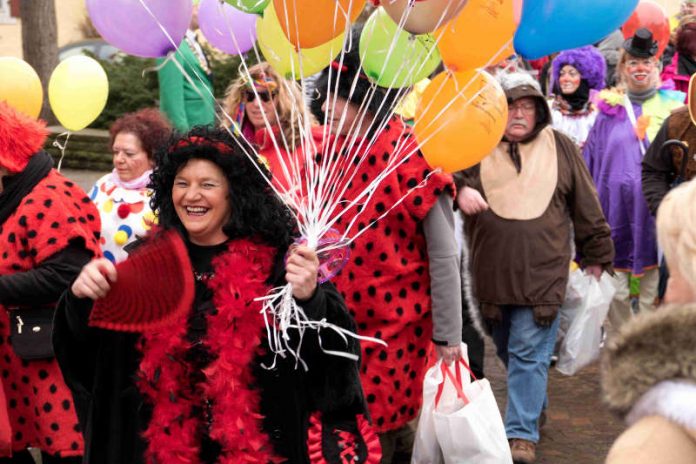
(268, 111)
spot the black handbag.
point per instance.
(31, 329)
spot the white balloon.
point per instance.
(424, 16)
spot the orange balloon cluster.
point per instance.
(460, 119)
(310, 23)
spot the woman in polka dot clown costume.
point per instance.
(122, 196)
(48, 229)
(402, 282)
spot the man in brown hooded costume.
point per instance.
(519, 204)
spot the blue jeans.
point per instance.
(526, 350)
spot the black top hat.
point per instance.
(641, 45)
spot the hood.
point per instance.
(520, 85)
(20, 138)
(651, 349)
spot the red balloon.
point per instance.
(653, 17)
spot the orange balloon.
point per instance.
(460, 119)
(422, 17)
(487, 26)
(310, 23)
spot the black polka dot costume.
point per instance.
(38, 402)
(386, 283)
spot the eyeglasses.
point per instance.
(526, 108)
(250, 96)
(647, 62)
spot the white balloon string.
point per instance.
(61, 147)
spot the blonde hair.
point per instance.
(621, 65)
(676, 231)
(289, 103)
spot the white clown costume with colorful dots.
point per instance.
(125, 214)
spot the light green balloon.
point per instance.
(412, 57)
(249, 6)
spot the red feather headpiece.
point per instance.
(20, 138)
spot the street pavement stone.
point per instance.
(579, 429)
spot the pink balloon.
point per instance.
(517, 10)
(129, 26)
(226, 27)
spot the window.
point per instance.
(6, 12)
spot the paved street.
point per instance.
(84, 179)
(579, 429)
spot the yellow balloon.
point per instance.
(283, 56)
(20, 86)
(78, 91)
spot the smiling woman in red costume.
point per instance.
(48, 230)
(206, 388)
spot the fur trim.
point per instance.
(587, 60)
(509, 81)
(472, 304)
(234, 339)
(650, 349)
(20, 137)
(673, 399)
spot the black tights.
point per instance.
(24, 457)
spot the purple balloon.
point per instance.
(129, 26)
(226, 27)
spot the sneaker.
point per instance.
(523, 451)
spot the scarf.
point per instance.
(686, 66)
(18, 186)
(638, 98)
(577, 100)
(135, 184)
(234, 340)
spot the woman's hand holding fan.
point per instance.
(150, 289)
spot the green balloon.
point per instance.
(412, 57)
(249, 6)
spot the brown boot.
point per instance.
(523, 451)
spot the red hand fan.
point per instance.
(154, 287)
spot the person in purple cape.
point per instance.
(629, 118)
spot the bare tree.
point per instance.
(40, 43)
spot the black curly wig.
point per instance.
(257, 212)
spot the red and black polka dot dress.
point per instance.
(386, 284)
(39, 404)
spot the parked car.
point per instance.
(96, 47)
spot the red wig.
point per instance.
(149, 125)
(20, 137)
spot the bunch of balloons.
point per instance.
(77, 90)
(402, 42)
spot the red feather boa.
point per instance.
(234, 338)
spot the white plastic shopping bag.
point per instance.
(426, 449)
(581, 343)
(575, 291)
(473, 432)
(460, 421)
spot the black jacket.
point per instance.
(99, 366)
